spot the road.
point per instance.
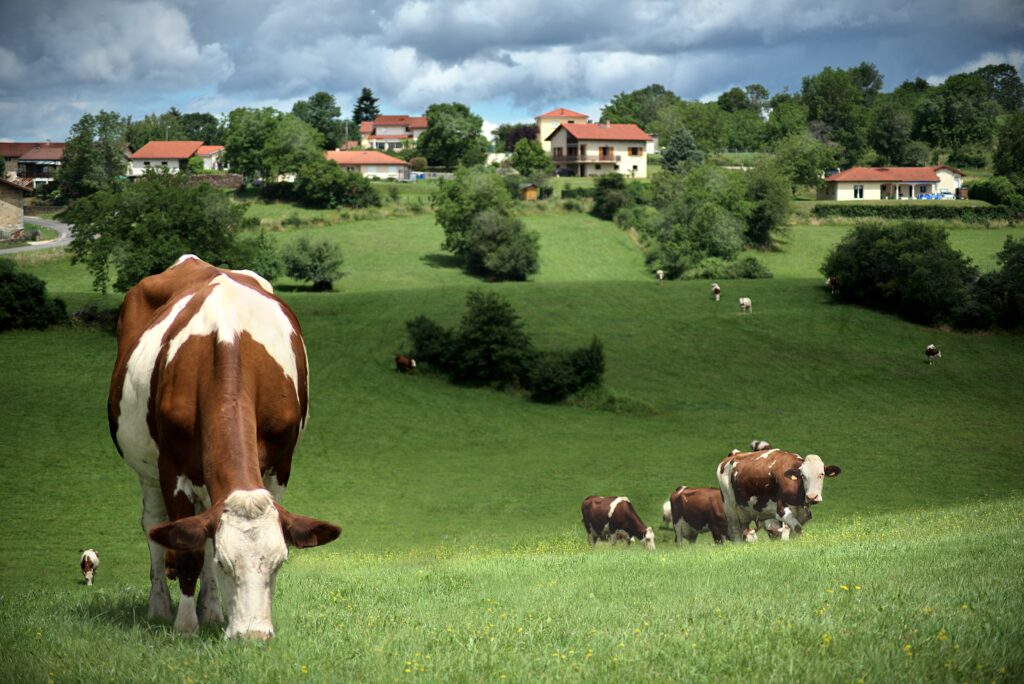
(63, 239)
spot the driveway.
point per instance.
(63, 239)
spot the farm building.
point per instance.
(880, 183)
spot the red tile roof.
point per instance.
(611, 132)
(44, 152)
(361, 157)
(401, 120)
(168, 149)
(207, 150)
(890, 174)
(366, 127)
(559, 113)
(16, 149)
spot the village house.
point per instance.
(172, 156)
(12, 207)
(10, 151)
(391, 131)
(596, 149)
(38, 166)
(370, 163)
(547, 123)
(905, 182)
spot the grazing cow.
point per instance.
(746, 305)
(777, 529)
(832, 283)
(666, 513)
(700, 509)
(765, 485)
(404, 364)
(89, 561)
(716, 292)
(614, 518)
(207, 401)
(760, 445)
(931, 352)
(661, 275)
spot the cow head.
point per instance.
(648, 540)
(90, 560)
(251, 535)
(812, 473)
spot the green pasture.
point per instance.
(462, 556)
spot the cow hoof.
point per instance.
(210, 613)
(159, 605)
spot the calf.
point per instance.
(614, 518)
(777, 529)
(716, 292)
(666, 512)
(661, 275)
(760, 445)
(832, 283)
(931, 352)
(89, 561)
(700, 509)
(745, 305)
(404, 364)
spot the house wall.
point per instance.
(212, 162)
(139, 167)
(392, 130)
(383, 171)
(547, 126)
(843, 191)
(12, 208)
(948, 181)
(593, 166)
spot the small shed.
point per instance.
(528, 192)
(12, 206)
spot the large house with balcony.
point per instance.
(370, 163)
(548, 122)
(391, 131)
(38, 166)
(881, 183)
(582, 149)
(171, 156)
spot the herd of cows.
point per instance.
(763, 488)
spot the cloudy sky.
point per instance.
(509, 60)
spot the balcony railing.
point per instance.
(584, 158)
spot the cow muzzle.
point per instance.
(814, 498)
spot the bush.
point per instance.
(394, 194)
(418, 163)
(325, 185)
(949, 211)
(501, 245)
(259, 254)
(554, 376)
(491, 346)
(715, 268)
(998, 190)
(610, 195)
(974, 156)
(23, 301)
(318, 262)
(91, 316)
(1002, 292)
(431, 343)
(576, 193)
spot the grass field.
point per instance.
(462, 557)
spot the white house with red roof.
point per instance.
(171, 156)
(549, 121)
(370, 163)
(391, 131)
(892, 182)
(585, 149)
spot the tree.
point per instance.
(502, 247)
(365, 108)
(507, 135)
(292, 144)
(890, 131)
(768, 190)
(262, 143)
(705, 121)
(868, 80)
(94, 157)
(202, 126)
(322, 113)
(452, 136)
(457, 202)
(745, 130)
(166, 126)
(956, 114)
(835, 99)
(24, 302)
(323, 184)
(1004, 85)
(804, 160)
(610, 195)
(639, 107)
(529, 158)
(318, 262)
(681, 151)
(788, 117)
(143, 228)
(492, 346)
(1008, 159)
(757, 97)
(733, 100)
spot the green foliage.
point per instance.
(365, 108)
(431, 343)
(502, 247)
(452, 136)
(259, 253)
(835, 99)
(610, 195)
(318, 262)
(492, 347)
(457, 202)
(948, 211)
(507, 136)
(956, 114)
(998, 190)
(529, 158)
(418, 163)
(1008, 159)
(788, 117)
(768, 191)
(889, 135)
(93, 155)
(908, 269)
(556, 375)
(681, 151)
(1005, 288)
(868, 80)
(143, 228)
(1003, 84)
(717, 268)
(264, 143)
(194, 165)
(706, 122)
(324, 184)
(640, 107)
(24, 302)
(322, 113)
(804, 159)
(575, 193)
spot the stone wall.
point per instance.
(227, 181)
(12, 212)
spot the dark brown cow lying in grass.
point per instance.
(614, 518)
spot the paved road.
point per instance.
(63, 239)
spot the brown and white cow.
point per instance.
(765, 485)
(404, 364)
(207, 401)
(614, 518)
(716, 292)
(89, 561)
(696, 510)
(931, 352)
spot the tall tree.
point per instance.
(640, 106)
(957, 114)
(507, 135)
(94, 156)
(890, 130)
(733, 100)
(264, 143)
(452, 136)
(1008, 159)
(868, 80)
(366, 107)
(788, 117)
(681, 151)
(835, 99)
(322, 113)
(529, 158)
(1004, 85)
(804, 159)
(202, 126)
(166, 126)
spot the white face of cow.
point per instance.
(814, 472)
(648, 540)
(249, 550)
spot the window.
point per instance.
(858, 192)
(636, 151)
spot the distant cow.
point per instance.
(661, 275)
(765, 485)
(760, 445)
(666, 512)
(832, 283)
(404, 364)
(931, 352)
(89, 561)
(746, 305)
(700, 509)
(716, 292)
(614, 518)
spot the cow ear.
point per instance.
(832, 470)
(793, 473)
(304, 532)
(185, 534)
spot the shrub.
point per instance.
(715, 268)
(431, 343)
(293, 220)
(768, 190)
(23, 301)
(998, 190)
(259, 254)
(949, 211)
(974, 156)
(610, 195)
(501, 245)
(394, 194)
(491, 346)
(418, 163)
(318, 262)
(1002, 292)
(576, 193)
(91, 316)
(323, 184)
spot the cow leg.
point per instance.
(187, 566)
(153, 513)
